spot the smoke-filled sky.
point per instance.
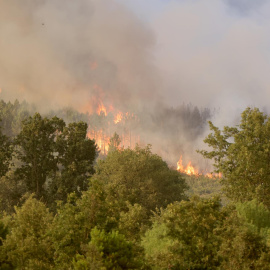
(213, 53)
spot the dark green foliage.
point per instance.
(77, 154)
(3, 232)
(241, 154)
(138, 176)
(107, 251)
(68, 232)
(36, 148)
(54, 159)
(11, 192)
(5, 154)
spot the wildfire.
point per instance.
(101, 108)
(101, 129)
(213, 175)
(189, 169)
(118, 117)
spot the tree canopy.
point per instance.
(242, 155)
(139, 176)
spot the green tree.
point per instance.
(195, 225)
(36, 147)
(11, 192)
(4, 263)
(257, 217)
(27, 245)
(114, 143)
(139, 177)
(201, 234)
(242, 248)
(107, 251)
(5, 154)
(77, 159)
(68, 232)
(242, 155)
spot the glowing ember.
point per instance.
(101, 108)
(213, 175)
(118, 118)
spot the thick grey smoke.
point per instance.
(60, 53)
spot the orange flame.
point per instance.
(101, 108)
(189, 169)
(118, 117)
(214, 175)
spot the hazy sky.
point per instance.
(213, 53)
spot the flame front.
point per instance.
(189, 169)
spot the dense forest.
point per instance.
(63, 205)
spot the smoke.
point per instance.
(211, 53)
(215, 53)
(56, 53)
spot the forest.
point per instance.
(66, 205)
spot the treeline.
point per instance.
(61, 208)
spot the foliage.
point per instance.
(203, 186)
(77, 154)
(157, 245)
(242, 248)
(201, 234)
(36, 150)
(67, 233)
(12, 192)
(139, 176)
(5, 154)
(114, 143)
(12, 114)
(133, 222)
(28, 245)
(108, 251)
(54, 159)
(241, 154)
(196, 226)
(257, 217)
